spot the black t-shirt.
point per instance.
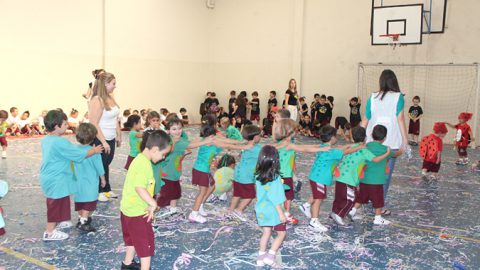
(293, 98)
(355, 115)
(255, 106)
(305, 109)
(305, 125)
(329, 111)
(241, 111)
(313, 109)
(322, 113)
(272, 102)
(340, 121)
(231, 101)
(415, 111)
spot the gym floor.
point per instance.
(434, 224)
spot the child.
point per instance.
(152, 121)
(283, 131)
(73, 121)
(323, 111)
(321, 174)
(375, 176)
(463, 137)
(56, 175)
(303, 106)
(3, 131)
(231, 103)
(201, 170)
(414, 113)
(3, 192)
(24, 124)
(272, 101)
(306, 126)
(170, 169)
(269, 206)
(268, 122)
(228, 130)
(255, 113)
(431, 148)
(135, 137)
(87, 173)
(330, 100)
(184, 116)
(163, 116)
(221, 113)
(137, 205)
(224, 177)
(355, 116)
(244, 180)
(12, 122)
(347, 178)
(314, 106)
(344, 128)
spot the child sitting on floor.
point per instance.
(223, 178)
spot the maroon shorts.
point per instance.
(87, 206)
(13, 131)
(137, 232)
(129, 161)
(170, 191)
(373, 193)
(244, 191)
(414, 127)
(3, 141)
(319, 191)
(289, 194)
(255, 117)
(202, 179)
(58, 210)
(24, 130)
(431, 166)
(278, 228)
(462, 151)
(2, 231)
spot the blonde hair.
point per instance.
(284, 128)
(100, 90)
(224, 121)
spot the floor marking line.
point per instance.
(445, 235)
(27, 258)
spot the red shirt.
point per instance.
(431, 145)
(463, 134)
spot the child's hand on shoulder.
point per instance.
(97, 149)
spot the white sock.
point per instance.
(83, 220)
(260, 253)
(287, 214)
(306, 205)
(195, 213)
(271, 252)
(378, 216)
(313, 219)
(353, 211)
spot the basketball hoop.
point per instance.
(394, 40)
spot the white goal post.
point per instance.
(445, 90)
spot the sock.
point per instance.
(83, 220)
(353, 211)
(378, 216)
(313, 219)
(306, 205)
(260, 253)
(287, 214)
(271, 252)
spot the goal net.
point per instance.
(445, 90)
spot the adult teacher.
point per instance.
(291, 99)
(385, 107)
(103, 113)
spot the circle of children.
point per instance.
(158, 145)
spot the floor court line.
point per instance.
(27, 258)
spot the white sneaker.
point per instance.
(239, 215)
(379, 220)
(223, 197)
(337, 219)
(305, 208)
(4, 154)
(317, 226)
(54, 236)
(102, 197)
(111, 194)
(64, 225)
(196, 218)
(165, 212)
(355, 215)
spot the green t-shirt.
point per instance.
(287, 162)
(158, 175)
(172, 165)
(223, 180)
(205, 156)
(140, 174)
(268, 197)
(352, 166)
(3, 128)
(134, 143)
(376, 172)
(233, 133)
(324, 165)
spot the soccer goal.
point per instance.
(445, 90)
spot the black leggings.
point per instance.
(106, 160)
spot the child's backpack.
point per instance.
(428, 147)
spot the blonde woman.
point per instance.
(103, 113)
(291, 99)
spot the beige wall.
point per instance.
(169, 53)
